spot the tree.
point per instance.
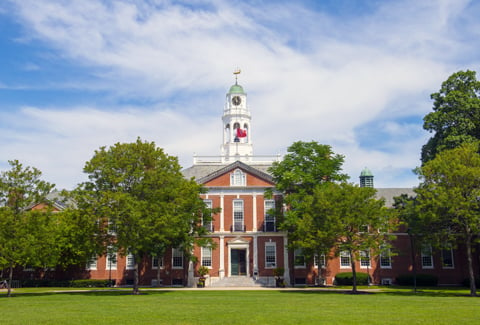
(347, 218)
(140, 193)
(448, 199)
(456, 114)
(26, 236)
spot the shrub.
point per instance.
(44, 283)
(64, 283)
(346, 278)
(88, 283)
(466, 282)
(424, 280)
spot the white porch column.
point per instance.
(254, 212)
(222, 214)
(255, 257)
(286, 276)
(221, 271)
(191, 278)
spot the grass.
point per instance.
(392, 306)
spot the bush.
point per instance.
(346, 278)
(423, 280)
(65, 283)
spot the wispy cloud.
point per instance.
(310, 75)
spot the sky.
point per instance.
(76, 75)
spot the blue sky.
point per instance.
(357, 75)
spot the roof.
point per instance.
(203, 173)
(366, 172)
(389, 193)
(236, 89)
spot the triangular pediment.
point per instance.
(237, 165)
(238, 241)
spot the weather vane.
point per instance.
(236, 73)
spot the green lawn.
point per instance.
(42, 306)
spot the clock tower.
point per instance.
(237, 133)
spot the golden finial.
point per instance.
(236, 73)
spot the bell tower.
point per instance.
(237, 133)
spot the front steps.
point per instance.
(235, 281)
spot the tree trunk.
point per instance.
(135, 277)
(354, 273)
(468, 243)
(9, 284)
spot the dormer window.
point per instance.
(238, 178)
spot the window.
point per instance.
(385, 258)
(299, 258)
(270, 255)
(345, 259)
(447, 257)
(319, 261)
(365, 259)
(238, 215)
(269, 215)
(92, 264)
(208, 224)
(238, 178)
(177, 258)
(427, 258)
(130, 262)
(111, 260)
(207, 256)
(157, 262)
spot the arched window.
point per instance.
(238, 178)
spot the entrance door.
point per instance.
(239, 262)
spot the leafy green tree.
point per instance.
(350, 219)
(456, 114)
(448, 199)
(26, 236)
(140, 191)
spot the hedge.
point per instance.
(424, 280)
(346, 278)
(65, 283)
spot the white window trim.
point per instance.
(424, 248)
(233, 214)
(448, 248)
(128, 262)
(159, 262)
(369, 259)
(322, 261)
(174, 250)
(238, 178)
(274, 245)
(203, 255)
(209, 204)
(345, 254)
(388, 256)
(114, 263)
(93, 264)
(267, 206)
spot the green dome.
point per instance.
(236, 89)
(366, 172)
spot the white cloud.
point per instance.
(310, 76)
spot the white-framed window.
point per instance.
(130, 261)
(365, 259)
(319, 261)
(427, 257)
(92, 264)
(299, 258)
(208, 224)
(385, 258)
(157, 262)
(111, 258)
(207, 256)
(238, 178)
(447, 257)
(177, 258)
(270, 255)
(270, 220)
(345, 260)
(238, 215)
